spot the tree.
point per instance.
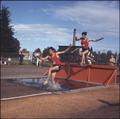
(9, 44)
(104, 58)
(37, 50)
(24, 50)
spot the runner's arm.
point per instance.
(74, 50)
(64, 51)
(76, 39)
(45, 58)
(96, 40)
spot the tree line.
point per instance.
(8, 43)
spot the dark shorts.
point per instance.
(84, 49)
(60, 66)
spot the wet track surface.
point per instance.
(21, 87)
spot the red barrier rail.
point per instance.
(102, 74)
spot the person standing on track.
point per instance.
(112, 60)
(21, 56)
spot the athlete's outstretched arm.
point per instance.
(74, 50)
(64, 51)
(77, 39)
(45, 58)
(96, 40)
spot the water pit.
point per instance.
(23, 87)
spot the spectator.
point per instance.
(1, 58)
(21, 56)
(112, 61)
(3, 61)
(9, 61)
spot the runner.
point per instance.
(54, 56)
(85, 47)
(85, 53)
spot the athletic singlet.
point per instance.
(56, 59)
(85, 43)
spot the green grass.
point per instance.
(15, 61)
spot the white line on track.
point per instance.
(59, 92)
(25, 96)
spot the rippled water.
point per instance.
(39, 84)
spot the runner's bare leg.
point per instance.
(53, 78)
(50, 73)
(83, 57)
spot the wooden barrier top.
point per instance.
(92, 66)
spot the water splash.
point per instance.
(55, 87)
(39, 83)
(61, 86)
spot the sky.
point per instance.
(40, 24)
